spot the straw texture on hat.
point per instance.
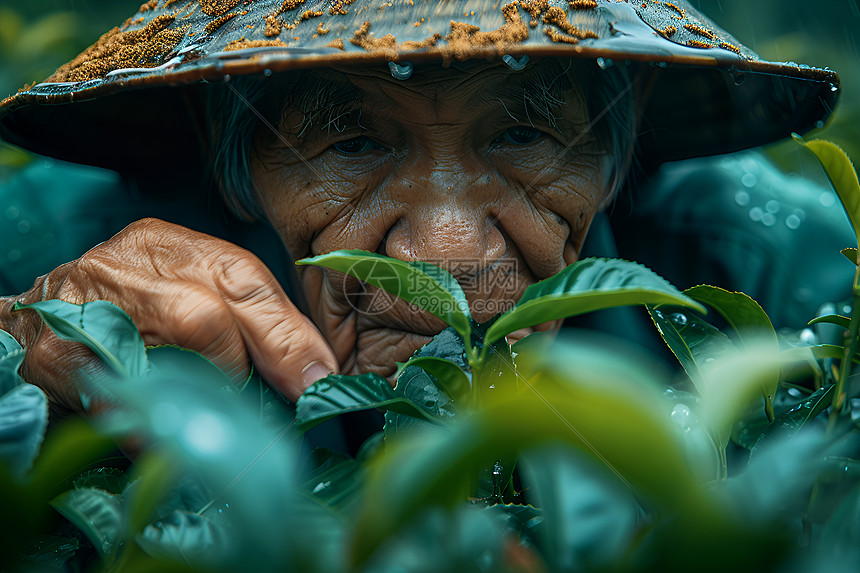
(120, 104)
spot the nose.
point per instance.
(451, 227)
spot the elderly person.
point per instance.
(485, 138)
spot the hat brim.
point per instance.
(700, 100)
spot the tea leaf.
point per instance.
(586, 286)
(836, 319)
(335, 481)
(187, 538)
(422, 284)
(589, 515)
(11, 359)
(102, 326)
(787, 425)
(449, 376)
(23, 421)
(588, 397)
(67, 450)
(693, 341)
(751, 324)
(96, 513)
(837, 165)
(336, 395)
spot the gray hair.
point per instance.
(236, 111)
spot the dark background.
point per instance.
(37, 36)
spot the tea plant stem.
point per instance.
(849, 351)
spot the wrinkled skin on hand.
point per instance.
(180, 287)
(454, 166)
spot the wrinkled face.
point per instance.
(489, 173)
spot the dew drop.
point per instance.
(768, 220)
(267, 72)
(742, 198)
(827, 199)
(846, 309)
(772, 206)
(756, 213)
(604, 63)
(682, 417)
(679, 318)
(819, 124)
(12, 213)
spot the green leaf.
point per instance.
(335, 481)
(851, 254)
(336, 395)
(416, 385)
(693, 341)
(23, 421)
(750, 322)
(155, 474)
(836, 319)
(449, 376)
(787, 425)
(590, 397)
(67, 450)
(422, 284)
(96, 513)
(187, 538)
(11, 359)
(173, 361)
(586, 286)
(589, 514)
(102, 326)
(837, 165)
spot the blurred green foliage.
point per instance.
(38, 36)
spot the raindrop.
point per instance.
(834, 88)
(492, 386)
(846, 309)
(772, 206)
(807, 337)
(267, 72)
(227, 77)
(321, 486)
(748, 180)
(682, 417)
(23, 227)
(515, 64)
(819, 124)
(400, 71)
(756, 213)
(795, 393)
(792, 222)
(768, 220)
(658, 314)
(742, 198)
(604, 63)
(679, 318)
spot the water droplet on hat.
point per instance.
(400, 71)
(514, 63)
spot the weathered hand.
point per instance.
(180, 287)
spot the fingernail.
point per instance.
(313, 372)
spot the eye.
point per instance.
(521, 135)
(356, 145)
